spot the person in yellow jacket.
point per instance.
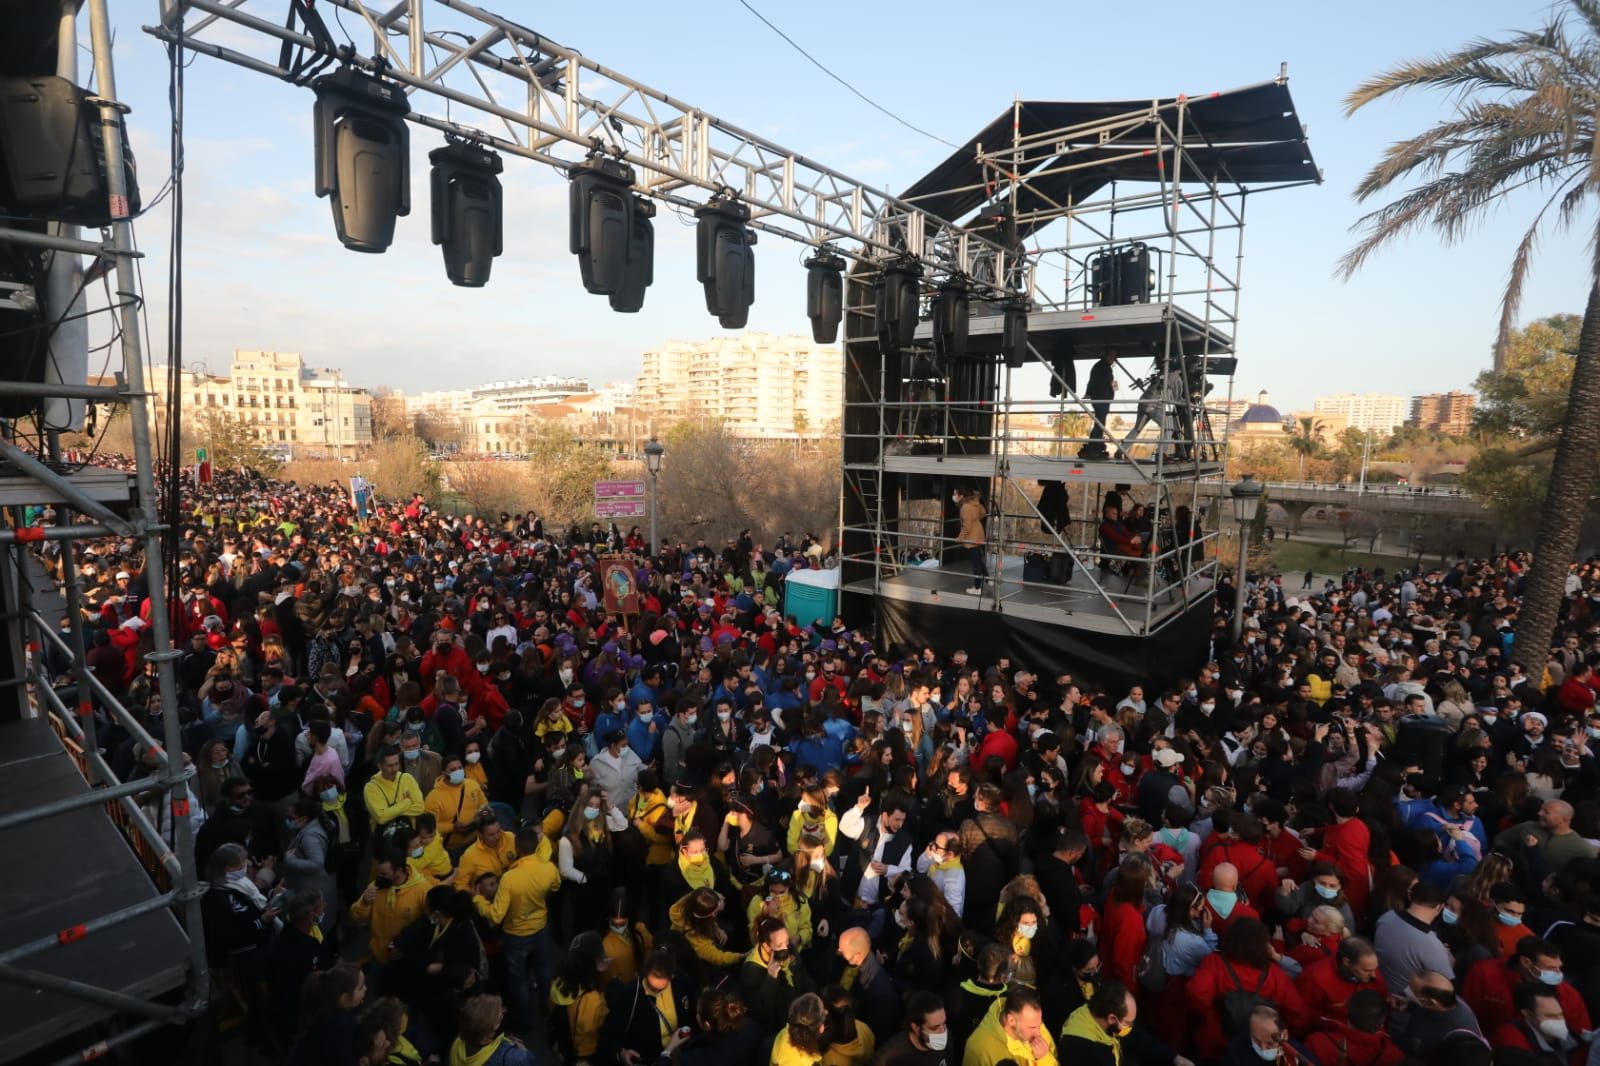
(1103, 1023)
(779, 902)
(813, 816)
(521, 908)
(492, 853)
(1013, 1029)
(474, 761)
(695, 916)
(648, 812)
(626, 942)
(850, 1040)
(579, 991)
(392, 793)
(396, 898)
(427, 851)
(454, 801)
(800, 1042)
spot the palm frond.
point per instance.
(1472, 67)
(1511, 301)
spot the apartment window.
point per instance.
(282, 435)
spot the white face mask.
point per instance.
(937, 1041)
(1027, 932)
(1554, 1030)
(473, 757)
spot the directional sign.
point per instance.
(619, 508)
(610, 490)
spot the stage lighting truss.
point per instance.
(467, 210)
(825, 295)
(363, 156)
(725, 261)
(897, 299)
(551, 104)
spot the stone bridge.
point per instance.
(1399, 510)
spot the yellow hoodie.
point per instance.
(480, 859)
(704, 947)
(586, 1013)
(796, 915)
(643, 810)
(521, 906)
(858, 1052)
(825, 825)
(1083, 1026)
(786, 1054)
(990, 1044)
(388, 800)
(455, 807)
(391, 910)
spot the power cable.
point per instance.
(820, 66)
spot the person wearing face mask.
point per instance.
(1265, 1040)
(925, 1040)
(239, 920)
(306, 862)
(454, 801)
(1102, 1033)
(238, 818)
(521, 908)
(625, 941)
(1491, 985)
(871, 988)
(395, 898)
(1540, 1028)
(446, 655)
(680, 733)
(436, 953)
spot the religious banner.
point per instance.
(620, 593)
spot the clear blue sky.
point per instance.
(264, 269)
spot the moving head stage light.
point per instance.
(951, 308)
(52, 157)
(363, 156)
(825, 295)
(467, 216)
(725, 262)
(610, 231)
(896, 296)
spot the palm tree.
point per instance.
(1524, 118)
(1306, 440)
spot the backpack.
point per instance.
(1152, 968)
(337, 856)
(1238, 1004)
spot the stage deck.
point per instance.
(68, 869)
(1119, 610)
(1090, 328)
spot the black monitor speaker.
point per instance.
(467, 212)
(52, 154)
(363, 157)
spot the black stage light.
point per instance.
(825, 295)
(897, 300)
(1014, 336)
(467, 218)
(363, 156)
(951, 311)
(641, 258)
(24, 333)
(724, 261)
(600, 222)
(52, 156)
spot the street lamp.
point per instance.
(1246, 503)
(653, 451)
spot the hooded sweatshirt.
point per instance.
(990, 1044)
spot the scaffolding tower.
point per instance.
(99, 920)
(1126, 222)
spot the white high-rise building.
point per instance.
(1370, 412)
(759, 385)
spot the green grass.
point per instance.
(1298, 556)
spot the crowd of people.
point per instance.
(450, 810)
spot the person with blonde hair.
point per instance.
(481, 1043)
(586, 858)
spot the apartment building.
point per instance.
(1444, 412)
(1370, 412)
(759, 385)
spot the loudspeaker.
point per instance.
(467, 215)
(600, 222)
(1135, 279)
(724, 261)
(363, 156)
(52, 155)
(825, 296)
(24, 337)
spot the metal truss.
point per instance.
(80, 498)
(529, 96)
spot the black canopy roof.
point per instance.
(1248, 136)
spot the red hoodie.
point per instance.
(1327, 992)
(1345, 845)
(1343, 1044)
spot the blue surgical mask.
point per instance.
(1550, 977)
(457, 776)
(412, 754)
(1508, 919)
(1449, 916)
(1325, 892)
(1268, 1053)
(591, 813)
(329, 795)
(1222, 902)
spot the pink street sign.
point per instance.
(619, 508)
(610, 490)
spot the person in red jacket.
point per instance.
(1541, 1026)
(1122, 933)
(1244, 962)
(1101, 823)
(1328, 985)
(1345, 844)
(1222, 899)
(1237, 840)
(450, 657)
(1576, 694)
(999, 744)
(1491, 984)
(1360, 1041)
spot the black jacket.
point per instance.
(632, 1022)
(769, 997)
(1138, 1046)
(1059, 883)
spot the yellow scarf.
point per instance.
(1021, 946)
(697, 874)
(667, 1012)
(316, 932)
(438, 931)
(404, 1051)
(948, 864)
(682, 823)
(460, 1056)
